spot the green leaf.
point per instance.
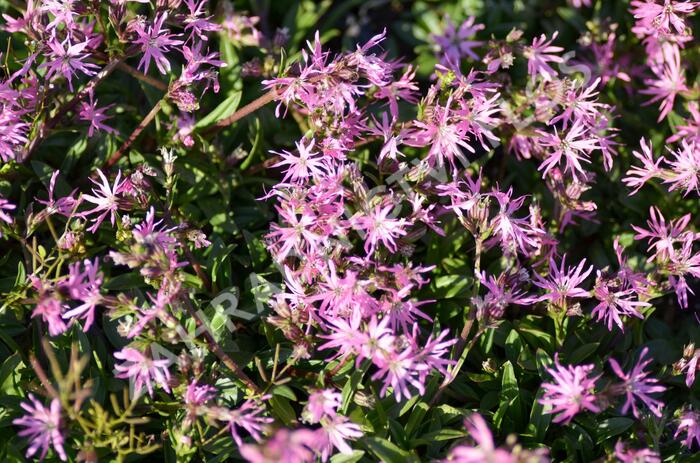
(513, 346)
(582, 353)
(612, 427)
(225, 109)
(387, 451)
(282, 409)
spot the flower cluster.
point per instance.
(390, 247)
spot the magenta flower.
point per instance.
(196, 22)
(246, 417)
(67, 61)
(540, 54)
(562, 282)
(105, 198)
(142, 370)
(6, 206)
(64, 206)
(89, 112)
(155, 41)
(42, 428)
(455, 44)
(690, 424)
(637, 385)
(571, 393)
(84, 286)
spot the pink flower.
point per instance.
(322, 403)
(630, 455)
(402, 89)
(691, 130)
(690, 424)
(142, 370)
(380, 228)
(691, 366)
(685, 168)
(337, 430)
(670, 81)
(155, 41)
(562, 282)
(514, 234)
(615, 302)
(662, 236)
(42, 428)
(285, 446)
(485, 449)
(196, 22)
(540, 54)
(445, 134)
(575, 147)
(638, 176)
(652, 15)
(572, 391)
(637, 385)
(306, 165)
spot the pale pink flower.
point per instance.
(629, 455)
(306, 164)
(669, 82)
(572, 391)
(684, 168)
(575, 147)
(142, 370)
(380, 227)
(105, 198)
